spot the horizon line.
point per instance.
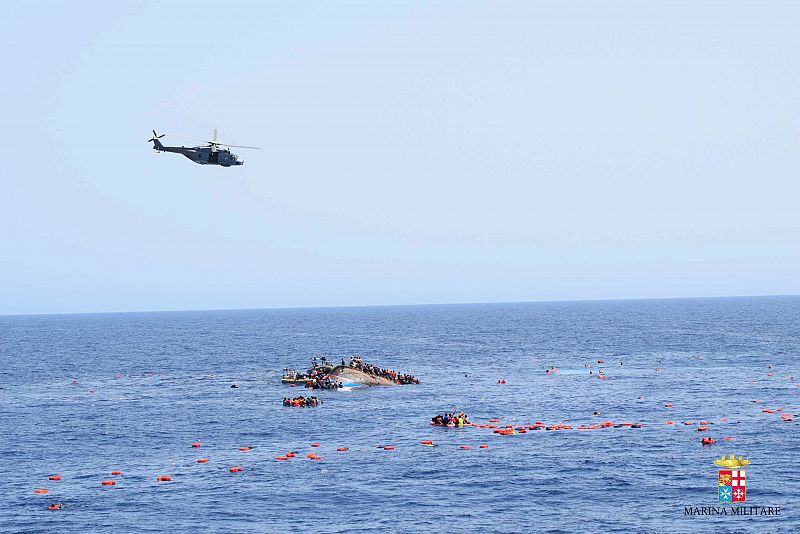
(347, 306)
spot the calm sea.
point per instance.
(84, 395)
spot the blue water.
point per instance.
(161, 381)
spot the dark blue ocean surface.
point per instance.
(161, 381)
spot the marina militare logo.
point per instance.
(732, 479)
(732, 493)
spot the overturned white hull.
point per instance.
(348, 375)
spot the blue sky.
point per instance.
(413, 152)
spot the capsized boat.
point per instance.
(350, 375)
(290, 376)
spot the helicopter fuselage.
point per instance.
(210, 154)
(204, 155)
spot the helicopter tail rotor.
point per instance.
(155, 140)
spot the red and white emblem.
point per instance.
(738, 485)
(732, 485)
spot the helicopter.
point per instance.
(210, 154)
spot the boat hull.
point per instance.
(297, 381)
(348, 375)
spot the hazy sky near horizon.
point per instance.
(413, 152)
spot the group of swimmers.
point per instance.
(301, 402)
(323, 382)
(450, 419)
(374, 370)
(600, 374)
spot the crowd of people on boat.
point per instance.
(323, 365)
(450, 419)
(357, 363)
(317, 372)
(318, 369)
(301, 402)
(318, 378)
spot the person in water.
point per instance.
(301, 402)
(323, 383)
(450, 419)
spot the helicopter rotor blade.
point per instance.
(213, 143)
(194, 139)
(239, 146)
